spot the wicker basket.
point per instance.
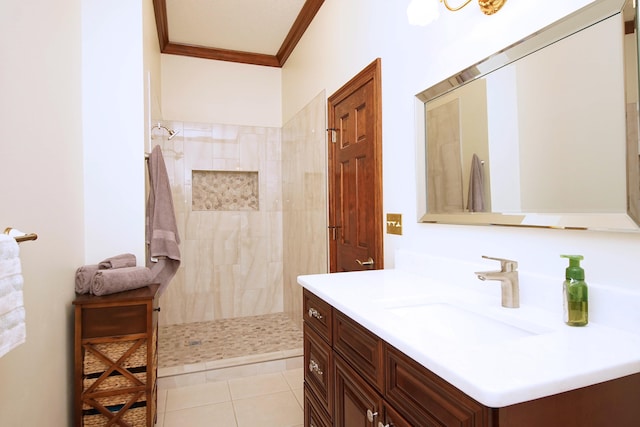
(114, 350)
(115, 400)
(115, 382)
(137, 417)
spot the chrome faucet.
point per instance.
(508, 277)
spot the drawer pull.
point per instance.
(371, 415)
(315, 313)
(313, 367)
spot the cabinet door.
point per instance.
(314, 414)
(357, 404)
(318, 360)
(427, 400)
(391, 418)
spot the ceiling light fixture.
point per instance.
(423, 12)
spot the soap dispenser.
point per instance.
(576, 305)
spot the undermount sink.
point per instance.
(460, 324)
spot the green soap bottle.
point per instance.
(576, 298)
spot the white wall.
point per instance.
(346, 36)
(152, 91)
(206, 91)
(41, 192)
(113, 91)
(74, 179)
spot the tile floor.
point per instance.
(237, 372)
(267, 400)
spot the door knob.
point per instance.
(368, 263)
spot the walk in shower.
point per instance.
(235, 298)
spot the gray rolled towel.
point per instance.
(114, 280)
(84, 276)
(118, 261)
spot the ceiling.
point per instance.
(260, 32)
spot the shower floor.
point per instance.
(199, 342)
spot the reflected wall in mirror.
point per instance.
(541, 134)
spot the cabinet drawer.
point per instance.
(318, 364)
(361, 348)
(426, 399)
(113, 320)
(317, 314)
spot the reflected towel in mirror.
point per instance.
(475, 200)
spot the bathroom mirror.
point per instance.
(541, 134)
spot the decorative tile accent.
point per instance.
(224, 191)
(199, 342)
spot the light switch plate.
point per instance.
(394, 223)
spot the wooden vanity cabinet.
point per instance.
(318, 375)
(371, 383)
(359, 347)
(357, 403)
(391, 417)
(426, 399)
(318, 361)
(313, 415)
(370, 380)
(317, 314)
(116, 358)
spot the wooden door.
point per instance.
(355, 173)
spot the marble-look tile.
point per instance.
(198, 395)
(259, 385)
(225, 132)
(273, 410)
(162, 400)
(245, 243)
(299, 395)
(252, 151)
(198, 154)
(182, 380)
(294, 377)
(202, 416)
(226, 149)
(275, 234)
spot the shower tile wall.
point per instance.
(232, 260)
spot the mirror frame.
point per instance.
(571, 24)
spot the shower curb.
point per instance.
(226, 369)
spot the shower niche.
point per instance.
(224, 191)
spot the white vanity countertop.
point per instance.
(495, 372)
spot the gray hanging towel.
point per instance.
(163, 255)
